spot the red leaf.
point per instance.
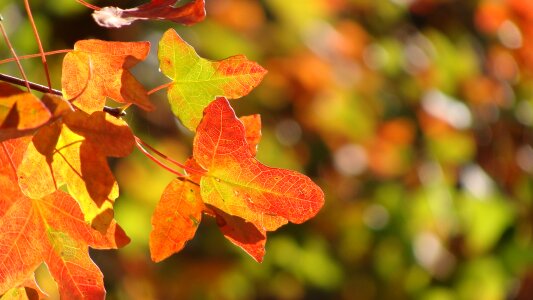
(252, 126)
(241, 233)
(187, 14)
(239, 186)
(220, 148)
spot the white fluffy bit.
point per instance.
(111, 17)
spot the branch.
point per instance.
(114, 111)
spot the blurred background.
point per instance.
(414, 116)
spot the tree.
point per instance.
(57, 190)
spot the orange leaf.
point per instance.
(28, 290)
(252, 126)
(74, 152)
(51, 230)
(175, 219)
(238, 185)
(20, 112)
(187, 14)
(11, 153)
(99, 69)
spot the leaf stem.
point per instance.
(6, 38)
(114, 111)
(186, 168)
(3, 61)
(38, 39)
(159, 88)
(93, 7)
(157, 161)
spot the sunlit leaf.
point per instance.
(197, 81)
(99, 69)
(74, 152)
(175, 218)
(51, 230)
(239, 185)
(20, 112)
(252, 126)
(27, 290)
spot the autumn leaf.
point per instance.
(246, 197)
(188, 14)
(238, 184)
(171, 229)
(26, 113)
(51, 230)
(98, 69)
(252, 128)
(197, 81)
(242, 233)
(20, 112)
(11, 154)
(175, 218)
(74, 152)
(27, 290)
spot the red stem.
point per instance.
(186, 168)
(6, 38)
(3, 61)
(150, 156)
(38, 39)
(159, 88)
(93, 7)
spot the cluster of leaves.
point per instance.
(57, 191)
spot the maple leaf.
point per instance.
(247, 198)
(188, 14)
(27, 290)
(197, 81)
(252, 128)
(175, 219)
(22, 113)
(51, 230)
(237, 183)
(98, 69)
(74, 151)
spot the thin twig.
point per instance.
(6, 38)
(159, 88)
(3, 61)
(159, 163)
(93, 7)
(38, 39)
(186, 168)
